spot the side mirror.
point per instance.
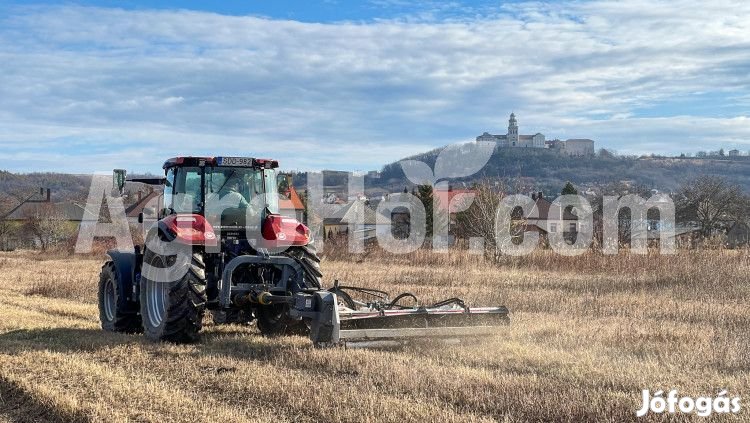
(147, 211)
(118, 179)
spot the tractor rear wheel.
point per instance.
(173, 311)
(114, 313)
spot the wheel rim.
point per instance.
(109, 300)
(156, 299)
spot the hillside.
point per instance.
(63, 186)
(537, 169)
(548, 170)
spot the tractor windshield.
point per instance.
(235, 186)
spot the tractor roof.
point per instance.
(189, 161)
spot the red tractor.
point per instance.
(220, 244)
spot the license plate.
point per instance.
(235, 161)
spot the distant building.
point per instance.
(291, 204)
(734, 153)
(355, 215)
(452, 200)
(512, 139)
(548, 218)
(578, 147)
(68, 211)
(738, 235)
(554, 144)
(40, 206)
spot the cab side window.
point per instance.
(271, 190)
(168, 191)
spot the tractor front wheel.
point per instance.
(115, 314)
(173, 310)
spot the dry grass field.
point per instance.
(588, 334)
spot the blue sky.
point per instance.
(92, 85)
(321, 11)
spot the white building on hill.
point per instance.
(572, 147)
(512, 138)
(578, 147)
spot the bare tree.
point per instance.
(479, 219)
(712, 202)
(46, 224)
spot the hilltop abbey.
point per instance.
(572, 147)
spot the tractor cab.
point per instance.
(236, 197)
(200, 185)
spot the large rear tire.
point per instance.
(173, 311)
(114, 313)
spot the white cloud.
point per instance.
(357, 95)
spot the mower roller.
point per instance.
(220, 245)
(381, 318)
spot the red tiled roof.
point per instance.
(453, 198)
(545, 210)
(292, 202)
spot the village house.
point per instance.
(67, 216)
(738, 235)
(548, 218)
(355, 215)
(291, 205)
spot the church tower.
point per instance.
(512, 131)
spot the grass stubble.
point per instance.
(587, 335)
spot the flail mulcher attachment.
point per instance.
(336, 318)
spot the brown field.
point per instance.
(587, 335)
